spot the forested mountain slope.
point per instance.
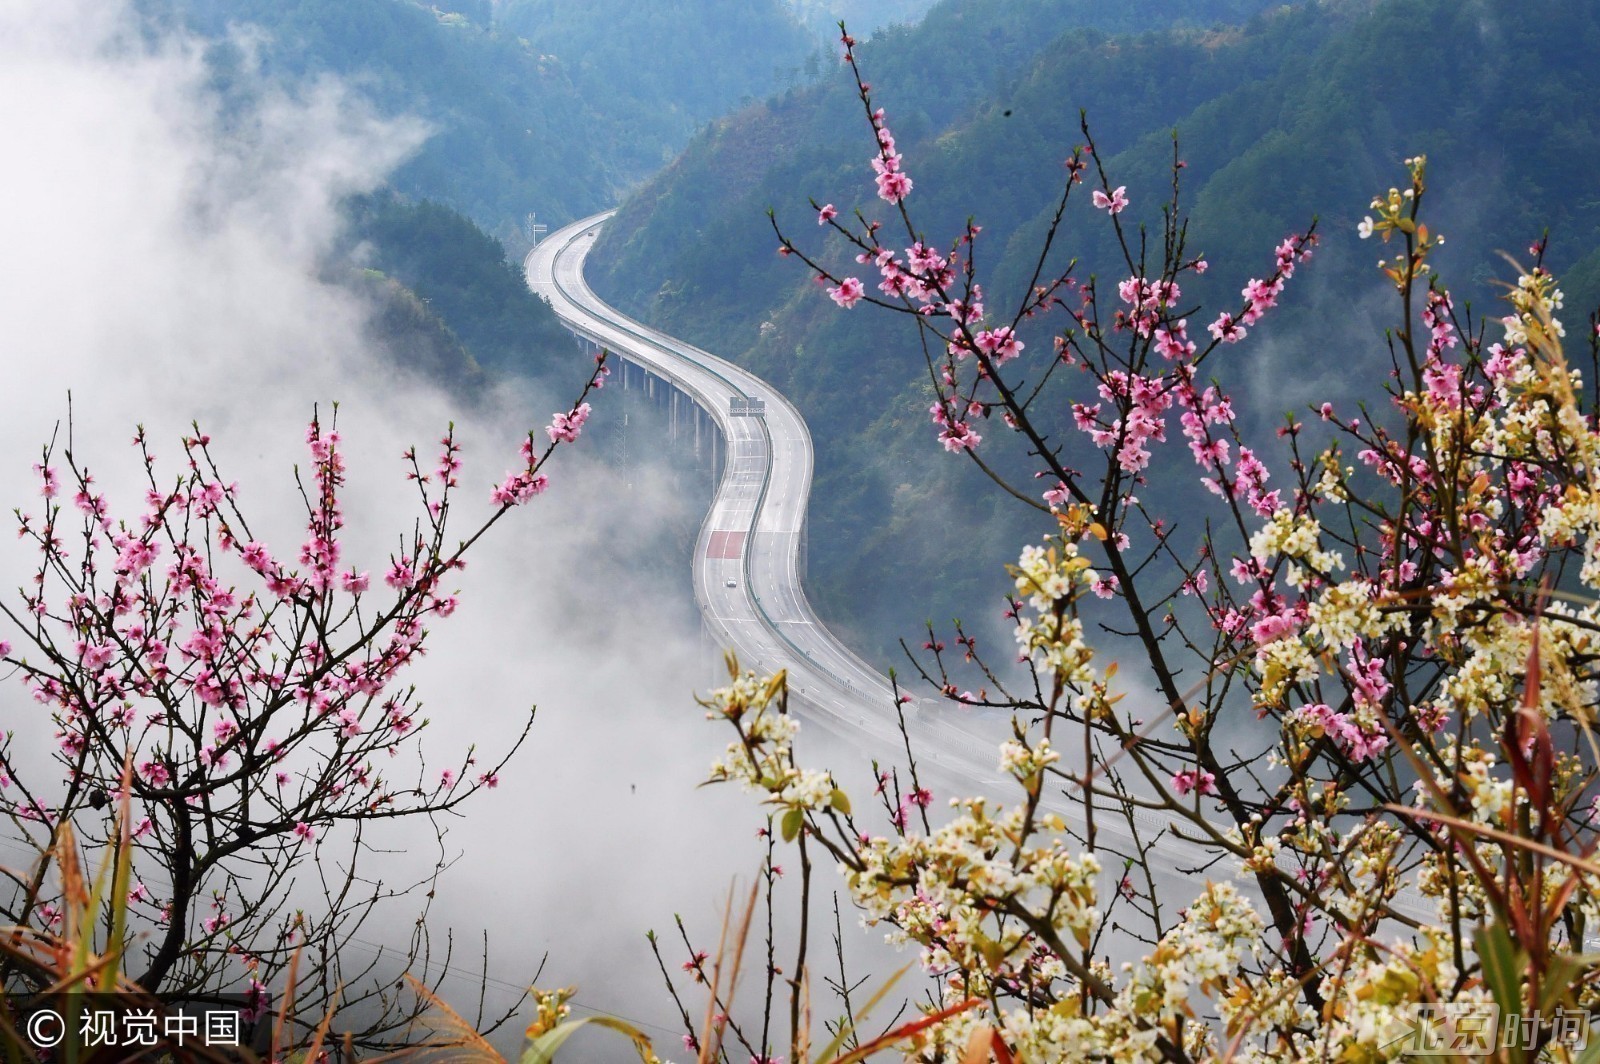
(1304, 110)
(452, 305)
(508, 134)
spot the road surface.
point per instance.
(753, 534)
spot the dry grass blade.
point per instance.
(802, 1037)
(716, 1021)
(1582, 864)
(291, 979)
(455, 1034)
(977, 1051)
(74, 890)
(709, 1027)
(906, 1030)
(314, 1050)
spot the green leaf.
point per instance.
(1590, 1053)
(840, 801)
(542, 1050)
(1503, 965)
(792, 820)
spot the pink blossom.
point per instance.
(134, 557)
(566, 427)
(826, 214)
(958, 436)
(1227, 329)
(1372, 687)
(1246, 570)
(1443, 381)
(1173, 343)
(257, 1001)
(1355, 740)
(964, 312)
(255, 555)
(96, 656)
(305, 831)
(1001, 344)
(400, 574)
(1114, 203)
(893, 186)
(1194, 780)
(924, 259)
(1260, 297)
(518, 488)
(1272, 628)
(848, 293)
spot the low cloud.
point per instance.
(159, 260)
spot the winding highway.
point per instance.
(747, 567)
(747, 556)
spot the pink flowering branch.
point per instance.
(258, 695)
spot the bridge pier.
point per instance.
(688, 426)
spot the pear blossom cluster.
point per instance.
(1049, 579)
(761, 759)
